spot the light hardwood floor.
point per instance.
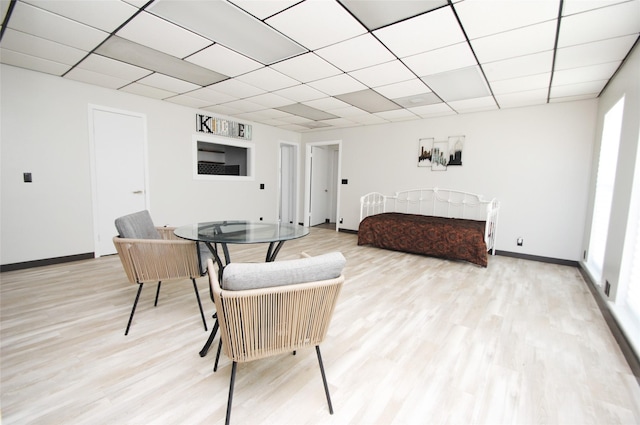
(414, 340)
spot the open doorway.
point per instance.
(322, 174)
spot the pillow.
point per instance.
(241, 276)
(137, 226)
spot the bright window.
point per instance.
(605, 180)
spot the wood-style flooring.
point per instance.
(414, 340)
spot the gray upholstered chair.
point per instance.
(155, 254)
(265, 309)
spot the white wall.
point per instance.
(536, 161)
(44, 130)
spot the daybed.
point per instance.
(436, 222)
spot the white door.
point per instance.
(119, 171)
(320, 167)
(288, 186)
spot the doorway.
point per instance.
(119, 170)
(288, 181)
(322, 197)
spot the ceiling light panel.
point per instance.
(369, 101)
(586, 27)
(113, 67)
(348, 55)
(481, 18)
(307, 67)
(223, 60)
(39, 22)
(441, 60)
(149, 30)
(467, 83)
(230, 26)
(263, 9)
(375, 14)
(383, 74)
(168, 83)
(39, 47)
(104, 15)
(430, 31)
(306, 111)
(317, 23)
(145, 57)
(520, 66)
(523, 41)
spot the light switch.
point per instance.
(27, 177)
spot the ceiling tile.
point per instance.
(224, 109)
(377, 14)
(211, 97)
(230, 26)
(158, 34)
(307, 67)
(529, 82)
(427, 98)
(307, 22)
(147, 91)
(348, 56)
(587, 26)
(189, 101)
(267, 79)
(523, 41)
(21, 60)
(237, 88)
(369, 101)
(591, 87)
(523, 98)
(326, 103)
(225, 61)
(368, 119)
(269, 100)
(115, 68)
(520, 66)
(338, 85)
(473, 105)
(571, 7)
(411, 87)
(145, 57)
(602, 71)
(441, 60)
(244, 106)
(383, 74)
(306, 111)
(426, 32)
(429, 111)
(481, 18)
(398, 115)
(598, 52)
(104, 15)
(300, 93)
(39, 22)
(349, 112)
(39, 47)
(263, 9)
(168, 83)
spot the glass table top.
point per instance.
(240, 232)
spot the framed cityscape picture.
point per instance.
(424, 155)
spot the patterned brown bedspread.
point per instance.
(448, 238)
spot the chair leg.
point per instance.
(324, 379)
(231, 384)
(205, 349)
(133, 310)
(215, 365)
(155, 304)
(195, 288)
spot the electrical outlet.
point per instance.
(520, 241)
(607, 288)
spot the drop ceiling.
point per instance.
(318, 64)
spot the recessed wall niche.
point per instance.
(222, 159)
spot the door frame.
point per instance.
(92, 108)
(307, 180)
(295, 178)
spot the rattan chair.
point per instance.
(270, 320)
(155, 254)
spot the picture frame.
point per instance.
(424, 152)
(439, 156)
